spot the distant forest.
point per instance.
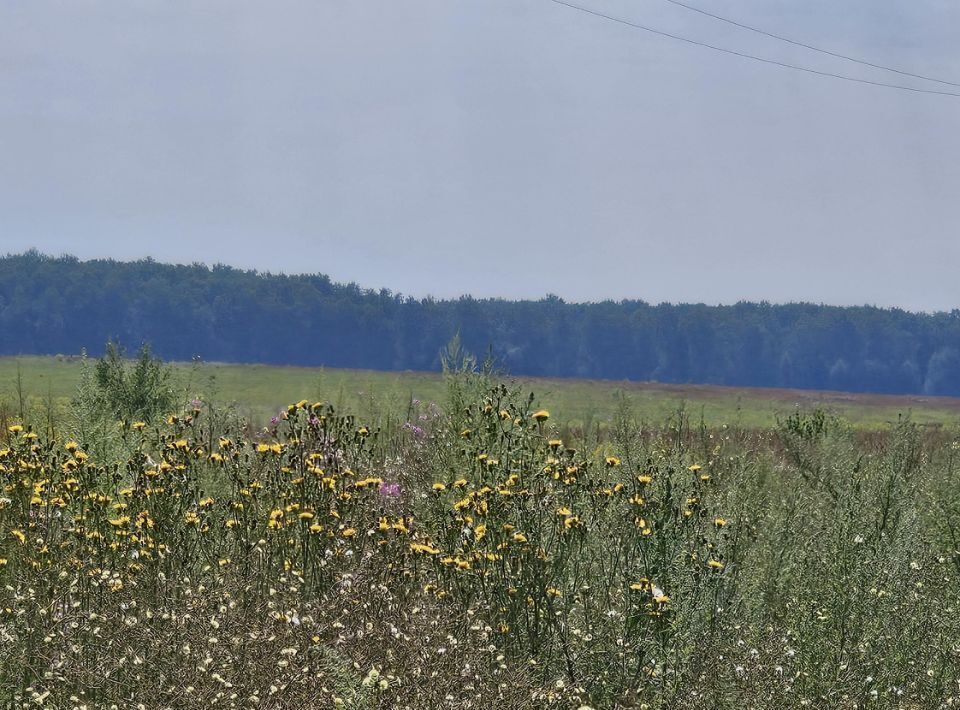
(59, 305)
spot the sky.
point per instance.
(508, 148)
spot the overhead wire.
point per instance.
(811, 47)
(753, 57)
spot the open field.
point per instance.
(260, 390)
(480, 556)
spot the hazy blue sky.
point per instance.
(497, 147)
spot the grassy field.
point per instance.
(260, 390)
(480, 558)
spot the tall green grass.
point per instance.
(44, 385)
(477, 552)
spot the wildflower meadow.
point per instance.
(474, 554)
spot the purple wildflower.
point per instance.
(390, 490)
(417, 432)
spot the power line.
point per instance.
(810, 46)
(754, 57)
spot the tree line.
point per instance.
(51, 305)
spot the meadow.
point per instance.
(260, 391)
(475, 552)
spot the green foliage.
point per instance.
(137, 391)
(258, 391)
(114, 393)
(50, 305)
(89, 422)
(465, 378)
(474, 558)
(806, 425)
